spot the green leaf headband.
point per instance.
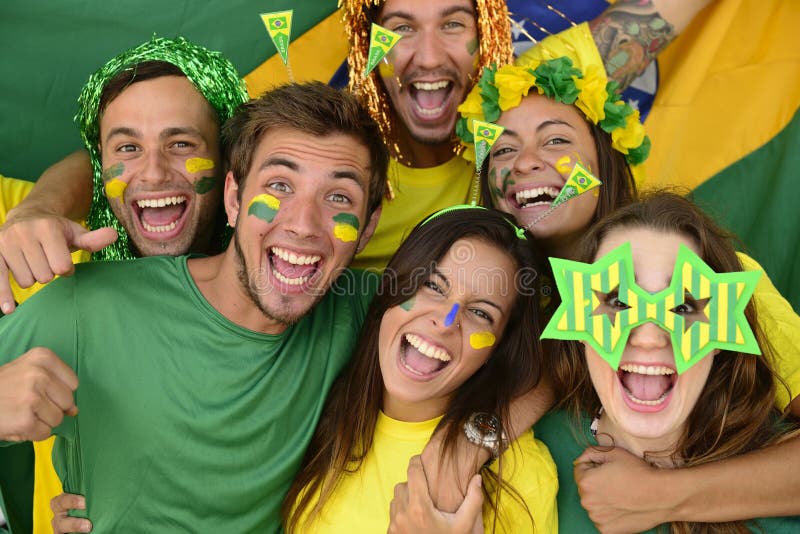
(213, 75)
(601, 304)
(501, 89)
(517, 230)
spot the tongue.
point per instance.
(431, 99)
(421, 363)
(162, 216)
(646, 387)
(290, 270)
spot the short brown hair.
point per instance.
(313, 108)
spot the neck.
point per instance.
(217, 279)
(657, 451)
(421, 155)
(412, 412)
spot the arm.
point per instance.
(36, 240)
(624, 494)
(630, 34)
(446, 479)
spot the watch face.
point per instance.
(486, 424)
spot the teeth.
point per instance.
(536, 192)
(295, 259)
(430, 86)
(160, 229)
(160, 202)
(647, 369)
(290, 281)
(647, 402)
(427, 350)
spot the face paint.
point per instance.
(385, 69)
(505, 176)
(481, 340)
(112, 172)
(601, 304)
(451, 317)
(472, 46)
(408, 305)
(564, 164)
(199, 164)
(115, 188)
(345, 227)
(264, 206)
(205, 184)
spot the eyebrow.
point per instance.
(452, 10)
(277, 161)
(542, 126)
(165, 134)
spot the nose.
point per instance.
(528, 161)
(429, 51)
(649, 336)
(447, 316)
(156, 168)
(302, 217)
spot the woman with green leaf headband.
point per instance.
(674, 408)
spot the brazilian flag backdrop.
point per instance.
(723, 121)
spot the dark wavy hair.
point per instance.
(345, 431)
(735, 412)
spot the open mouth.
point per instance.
(161, 215)
(422, 359)
(536, 196)
(647, 385)
(293, 269)
(431, 98)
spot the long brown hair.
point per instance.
(345, 431)
(735, 412)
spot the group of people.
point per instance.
(243, 378)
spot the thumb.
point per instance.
(91, 241)
(591, 456)
(470, 510)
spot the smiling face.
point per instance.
(299, 217)
(531, 161)
(429, 346)
(646, 403)
(160, 153)
(430, 68)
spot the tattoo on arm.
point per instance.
(629, 35)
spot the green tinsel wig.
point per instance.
(213, 75)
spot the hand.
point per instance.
(448, 476)
(621, 492)
(35, 394)
(413, 511)
(62, 523)
(35, 247)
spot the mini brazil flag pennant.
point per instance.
(485, 134)
(381, 41)
(279, 27)
(580, 181)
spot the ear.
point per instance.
(369, 229)
(231, 199)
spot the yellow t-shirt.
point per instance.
(46, 483)
(781, 326)
(418, 193)
(361, 502)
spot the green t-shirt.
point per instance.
(566, 442)
(187, 421)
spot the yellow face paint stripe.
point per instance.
(481, 340)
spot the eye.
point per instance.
(682, 309)
(692, 309)
(453, 25)
(609, 304)
(433, 286)
(402, 28)
(127, 148)
(280, 186)
(502, 151)
(613, 300)
(482, 315)
(557, 141)
(183, 144)
(339, 198)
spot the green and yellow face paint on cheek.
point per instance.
(601, 304)
(114, 187)
(481, 340)
(345, 227)
(264, 206)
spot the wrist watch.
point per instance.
(484, 430)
